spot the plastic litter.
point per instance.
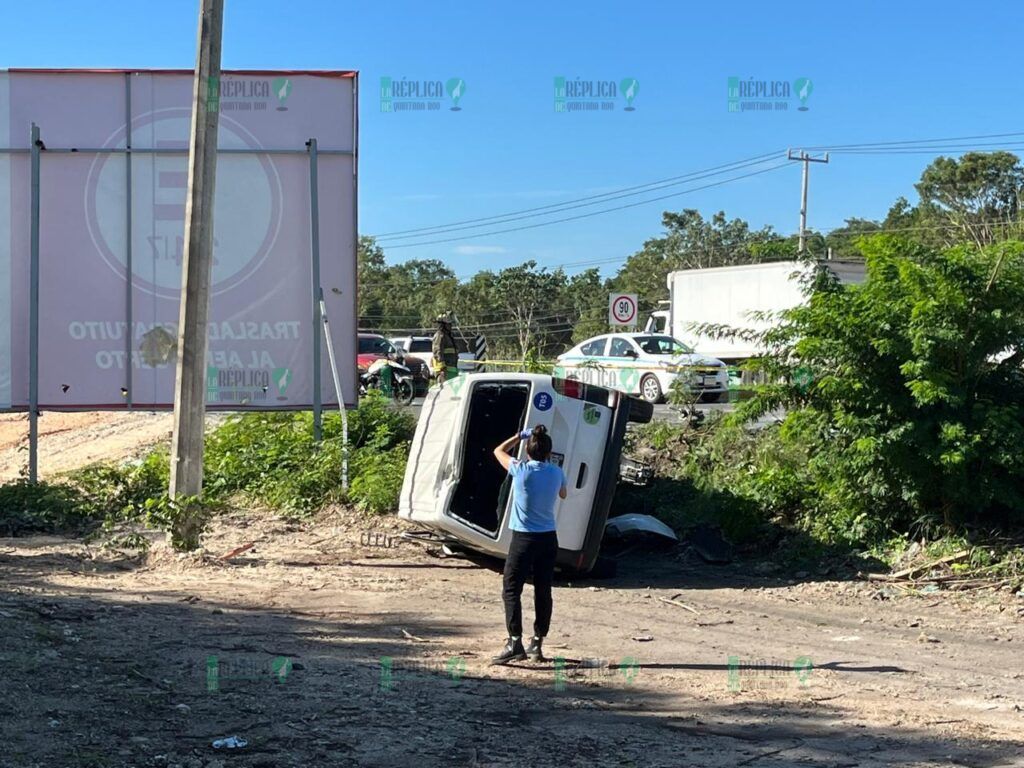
(230, 742)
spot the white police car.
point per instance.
(645, 364)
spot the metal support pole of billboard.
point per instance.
(314, 248)
(197, 261)
(337, 391)
(128, 313)
(33, 322)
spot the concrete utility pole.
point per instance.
(190, 377)
(806, 159)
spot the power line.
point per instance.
(837, 147)
(919, 146)
(943, 143)
(545, 210)
(594, 213)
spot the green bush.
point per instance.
(120, 491)
(80, 501)
(185, 519)
(904, 403)
(266, 458)
(720, 473)
(272, 459)
(377, 479)
(906, 392)
(42, 508)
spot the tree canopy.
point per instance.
(974, 199)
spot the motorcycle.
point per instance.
(403, 387)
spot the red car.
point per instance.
(373, 347)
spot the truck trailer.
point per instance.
(729, 295)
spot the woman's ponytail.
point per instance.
(538, 447)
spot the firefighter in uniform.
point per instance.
(445, 351)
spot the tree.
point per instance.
(371, 270)
(978, 196)
(844, 240)
(587, 296)
(406, 296)
(907, 390)
(690, 242)
(530, 296)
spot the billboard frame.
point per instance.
(37, 149)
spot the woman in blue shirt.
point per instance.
(536, 486)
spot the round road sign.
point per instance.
(623, 309)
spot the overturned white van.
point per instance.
(454, 486)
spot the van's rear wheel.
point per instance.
(650, 388)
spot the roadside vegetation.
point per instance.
(258, 459)
(899, 410)
(897, 406)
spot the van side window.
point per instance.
(594, 348)
(621, 348)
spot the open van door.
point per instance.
(429, 471)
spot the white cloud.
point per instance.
(478, 250)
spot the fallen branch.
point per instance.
(410, 636)
(681, 605)
(908, 573)
(238, 550)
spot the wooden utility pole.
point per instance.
(806, 159)
(190, 377)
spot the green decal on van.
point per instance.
(590, 414)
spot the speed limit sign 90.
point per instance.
(622, 309)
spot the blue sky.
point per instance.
(880, 72)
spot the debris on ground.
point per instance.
(637, 525)
(231, 742)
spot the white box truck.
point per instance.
(455, 487)
(728, 295)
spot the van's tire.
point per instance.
(650, 389)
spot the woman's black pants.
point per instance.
(529, 554)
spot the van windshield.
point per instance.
(662, 345)
(374, 345)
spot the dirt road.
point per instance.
(317, 649)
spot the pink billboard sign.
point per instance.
(111, 235)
